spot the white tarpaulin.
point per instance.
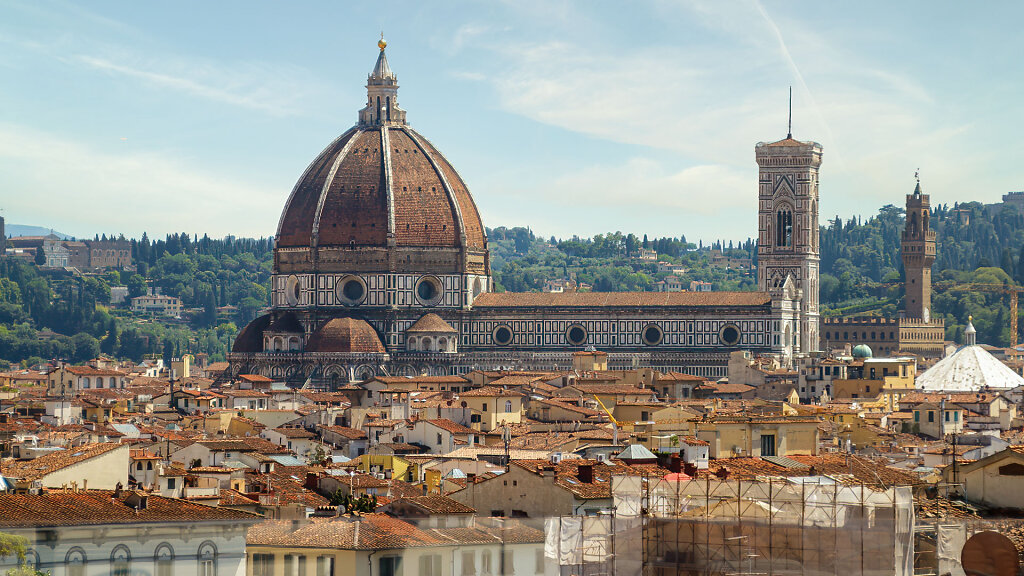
(597, 538)
(949, 543)
(563, 539)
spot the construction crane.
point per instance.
(615, 423)
(1013, 292)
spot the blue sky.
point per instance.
(568, 117)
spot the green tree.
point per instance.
(168, 351)
(40, 257)
(84, 347)
(136, 286)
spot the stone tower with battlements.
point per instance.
(918, 251)
(788, 229)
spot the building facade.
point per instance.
(916, 332)
(380, 232)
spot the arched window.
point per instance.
(913, 223)
(207, 559)
(508, 405)
(378, 108)
(85, 382)
(388, 110)
(428, 344)
(31, 558)
(74, 562)
(120, 561)
(99, 382)
(442, 344)
(784, 227)
(163, 559)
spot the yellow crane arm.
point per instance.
(609, 412)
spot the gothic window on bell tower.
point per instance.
(784, 227)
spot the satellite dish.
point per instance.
(989, 554)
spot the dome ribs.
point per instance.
(315, 240)
(446, 186)
(354, 210)
(423, 213)
(296, 224)
(345, 335)
(472, 227)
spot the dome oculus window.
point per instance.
(428, 291)
(653, 335)
(502, 335)
(351, 290)
(576, 334)
(292, 290)
(730, 335)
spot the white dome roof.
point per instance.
(967, 370)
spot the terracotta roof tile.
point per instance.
(347, 335)
(96, 507)
(431, 323)
(49, 463)
(490, 391)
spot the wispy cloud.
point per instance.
(124, 190)
(711, 103)
(260, 87)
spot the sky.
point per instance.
(568, 117)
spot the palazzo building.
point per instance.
(381, 267)
(916, 332)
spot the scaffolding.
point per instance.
(808, 526)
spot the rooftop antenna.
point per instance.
(789, 133)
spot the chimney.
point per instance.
(312, 481)
(723, 473)
(690, 469)
(585, 473)
(675, 463)
(470, 478)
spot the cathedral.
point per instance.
(381, 267)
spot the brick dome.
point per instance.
(378, 197)
(250, 339)
(345, 335)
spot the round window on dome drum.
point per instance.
(351, 290)
(576, 334)
(502, 335)
(653, 335)
(730, 335)
(428, 291)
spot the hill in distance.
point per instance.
(28, 230)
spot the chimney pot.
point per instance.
(585, 473)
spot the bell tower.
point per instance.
(918, 252)
(788, 227)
